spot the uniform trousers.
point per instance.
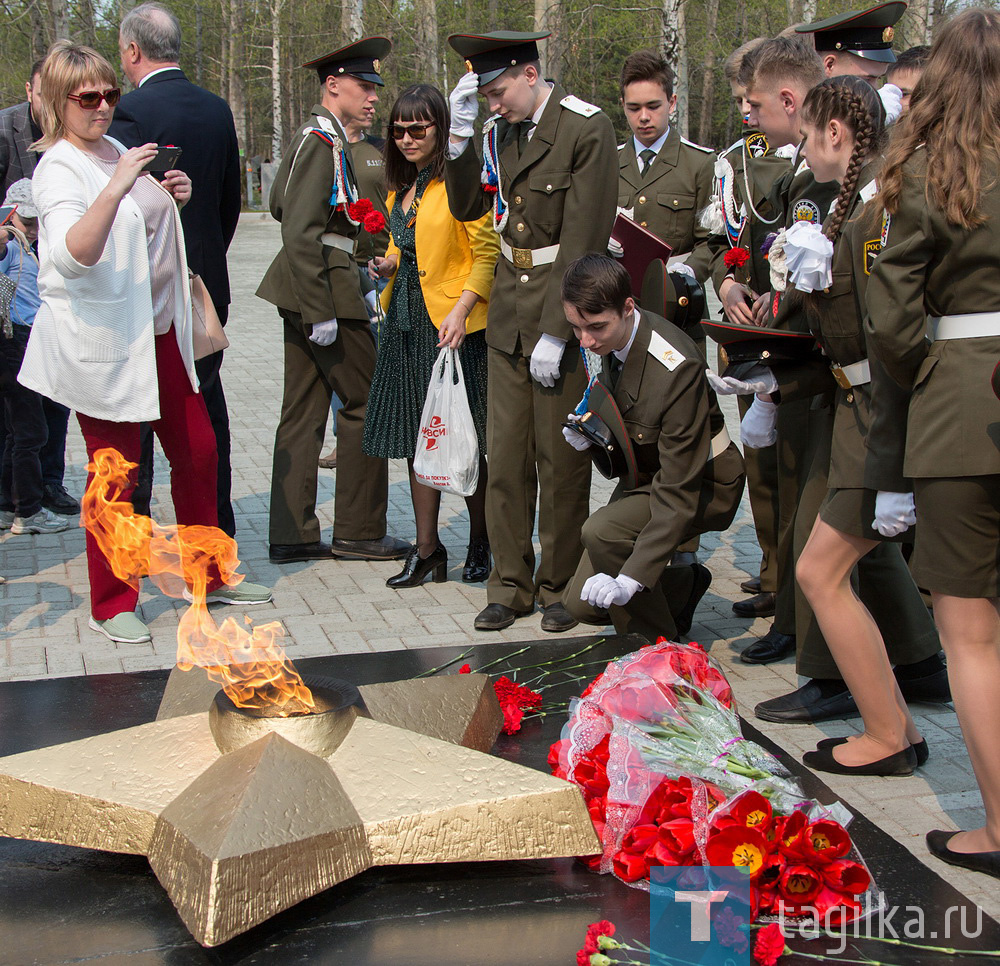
(312, 374)
(529, 459)
(185, 433)
(762, 486)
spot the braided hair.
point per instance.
(854, 103)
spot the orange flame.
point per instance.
(251, 666)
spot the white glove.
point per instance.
(572, 437)
(602, 591)
(894, 513)
(761, 380)
(324, 333)
(545, 359)
(371, 300)
(758, 427)
(615, 249)
(682, 268)
(464, 102)
(892, 100)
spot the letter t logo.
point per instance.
(701, 912)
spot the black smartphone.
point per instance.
(165, 160)
(6, 212)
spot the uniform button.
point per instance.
(642, 199)
(675, 202)
(520, 226)
(421, 273)
(850, 397)
(640, 436)
(548, 187)
(517, 199)
(643, 224)
(524, 278)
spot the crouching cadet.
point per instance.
(651, 419)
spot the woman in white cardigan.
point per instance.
(112, 339)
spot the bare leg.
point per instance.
(970, 635)
(824, 571)
(476, 505)
(426, 504)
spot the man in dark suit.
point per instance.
(166, 108)
(18, 131)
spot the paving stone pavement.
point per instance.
(342, 607)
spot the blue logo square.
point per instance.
(701, 915)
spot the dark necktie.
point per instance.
(645, 159)
(615, 366)
(524, 129)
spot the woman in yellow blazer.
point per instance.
(441, 272)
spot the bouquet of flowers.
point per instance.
(669, 780)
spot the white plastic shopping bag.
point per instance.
(447, 456)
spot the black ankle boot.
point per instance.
(417, 568)
(477, 561)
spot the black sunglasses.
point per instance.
(416, 131)
(91, 100)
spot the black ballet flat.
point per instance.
(416, 568)
(900, 764)
(919, 749)
(985, 862)
(477, 561)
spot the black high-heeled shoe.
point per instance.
(920, 748)
(901, 763)
(417, 568)
(477, 561)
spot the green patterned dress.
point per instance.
(407, 350)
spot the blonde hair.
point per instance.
(67, 66)
(731, 68)
(781, 60)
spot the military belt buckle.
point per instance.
(522, 257)
(841, 379)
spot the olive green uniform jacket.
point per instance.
(669, 197)
(930, 267)
(369, 166)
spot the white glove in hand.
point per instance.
(758, 427)
(759, 379)
(545, 359)
(572, 437)
(602, 590)
(464, 102)
(894, 513)
(371, 300)
(324, 333)
(892, 100)
(615, 249)
(682, 268)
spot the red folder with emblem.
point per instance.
(641, 247)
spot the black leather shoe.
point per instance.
(751, 586)
(282, 553)
(702, 581)
(986, 862)
(416, 568)
(556, 618)
(495, 617)
(477, 562)
(387, 548)
(760, 606)
(56, 499)
(930, 688)
(899, 764)
(919, 749)
(773, 646)
(816, 700)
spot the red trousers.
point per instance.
(188, 440)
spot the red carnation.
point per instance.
(736, 258)
(374, 222)
(465, 669)
(770, 945)
(582, 958)
(356, 210)
(514, 700)
(603, 928)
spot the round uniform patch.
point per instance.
(806, 210)
(757, 145)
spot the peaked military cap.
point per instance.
(744, 347)
(362, 59)
(489, 55)
(867, 33)
(676, 297)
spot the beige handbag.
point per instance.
(207, 333)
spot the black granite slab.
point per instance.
(65, 905)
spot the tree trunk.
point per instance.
(672, 44)
(683, 101)
(548, 17)
(428, 53)
(708, 79)
(351, 20)
(58, 21)
(88, 23)
(198, 58)
(808, 10)
(276, 7)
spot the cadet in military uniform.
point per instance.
(664, 179)
(548, 176)
(738, 220)
(682, 476)
(314, 282)
(942, 259)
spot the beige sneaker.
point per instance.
(123, 628)
(44, 521)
